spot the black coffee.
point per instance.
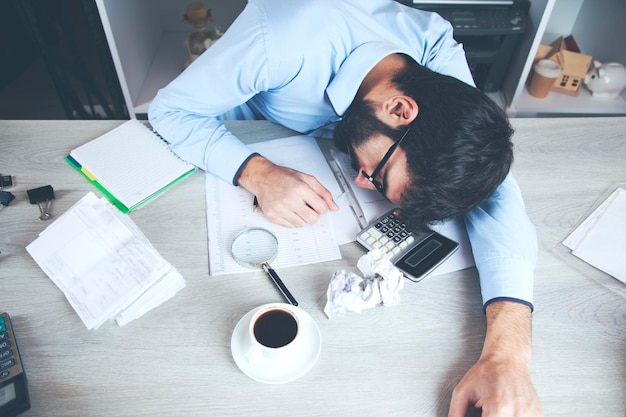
(275, 328)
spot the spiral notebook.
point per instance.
(130, 164)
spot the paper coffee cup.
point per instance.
(545, 72)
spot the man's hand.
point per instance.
(286, 196)
(499, 383)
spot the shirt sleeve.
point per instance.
(504, 245)
(186, 112)
(443, 54)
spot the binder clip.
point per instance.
(6, 197)
(5, 181)
(42, 196)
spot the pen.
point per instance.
(255, 204)
(279, 283)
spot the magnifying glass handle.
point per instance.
(279, 283)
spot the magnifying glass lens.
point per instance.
(255, 246)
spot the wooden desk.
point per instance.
(396, 361)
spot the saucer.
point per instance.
(274, 371)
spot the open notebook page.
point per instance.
(131, 162)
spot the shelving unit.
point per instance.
(598, 29)
(147, 42)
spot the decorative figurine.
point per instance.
(199, 16)
(606, 80)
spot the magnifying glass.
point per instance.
(257, 247)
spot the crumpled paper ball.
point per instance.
(381, 284)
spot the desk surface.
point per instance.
(402, 360)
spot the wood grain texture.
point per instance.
(398, 361)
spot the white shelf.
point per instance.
(169, 61)
(597, 34)
(147, 43)
(563, 104)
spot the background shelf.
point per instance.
(147, 43)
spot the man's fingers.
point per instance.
(288, 216)
(458, 406)
(324, 199)
(291, 198)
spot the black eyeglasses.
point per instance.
(372, 178)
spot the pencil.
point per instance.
(255, 204)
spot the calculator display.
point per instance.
(418, 256)
(426, 256)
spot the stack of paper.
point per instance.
(600, 240)
(104, 265)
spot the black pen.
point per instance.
(279, 283)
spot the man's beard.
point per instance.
(358, 125)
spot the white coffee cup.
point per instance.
(274, 333)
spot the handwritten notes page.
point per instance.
(229, 211)
(106, 268)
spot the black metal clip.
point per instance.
(42, 196)
(5, 181)
(6, 197)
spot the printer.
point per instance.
(489, 30)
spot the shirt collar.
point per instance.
(344, 86)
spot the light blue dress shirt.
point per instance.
(300, 64)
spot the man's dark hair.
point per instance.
(458, 150)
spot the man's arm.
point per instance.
(499, 383)
(186, 113)
(504, 245)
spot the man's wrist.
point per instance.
(244, 174)
(508, 332)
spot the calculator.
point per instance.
(14, 398)
(416, 254)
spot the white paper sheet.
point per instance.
(600, 240)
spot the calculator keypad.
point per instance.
(14, 398)
(9, 360)
(388, 234)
